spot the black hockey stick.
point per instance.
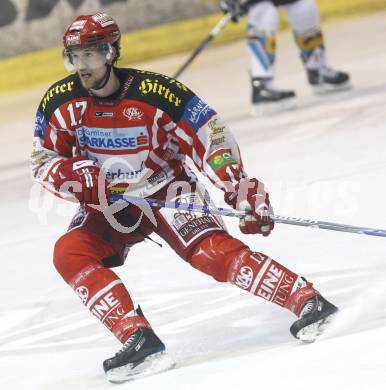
(235, 213)
(216, 30)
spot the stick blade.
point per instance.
(375, 232)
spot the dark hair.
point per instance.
(117, 46)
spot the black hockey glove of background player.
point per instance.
(237, 8)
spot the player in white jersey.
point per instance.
(263, 21)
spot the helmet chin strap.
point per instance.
(105, 79)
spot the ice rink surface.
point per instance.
(324, 160)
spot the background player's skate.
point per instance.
(321, 77)
(266, 99)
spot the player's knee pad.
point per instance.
(76, 250)
(263, 16)
(303, 15)
(214, 254)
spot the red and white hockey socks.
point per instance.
(228, 259)
(266, 278)
(77, 258)
(104, 294)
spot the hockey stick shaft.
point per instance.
(215, 31)
(235, 213)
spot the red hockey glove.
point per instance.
(79, 176)
(250, 195)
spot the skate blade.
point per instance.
(262, 109)
(152, 365)
(311, 332)
(324, 89)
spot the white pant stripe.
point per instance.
(103, 291)
(259, 275)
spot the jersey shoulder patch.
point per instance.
(60, 92)
(160, 91)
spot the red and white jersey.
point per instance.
(140, 136)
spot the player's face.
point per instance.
(92, 78)
(90, 63)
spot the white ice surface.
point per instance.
(325, 160)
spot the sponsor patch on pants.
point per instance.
(189, 225)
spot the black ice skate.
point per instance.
(316, 314)
(326, 79)
(266, 99)
(142, 355)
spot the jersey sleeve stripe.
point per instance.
(60, 119)
(155, 128)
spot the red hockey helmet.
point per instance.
(99, 32)
(91, 30)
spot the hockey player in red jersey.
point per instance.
(104, 130)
